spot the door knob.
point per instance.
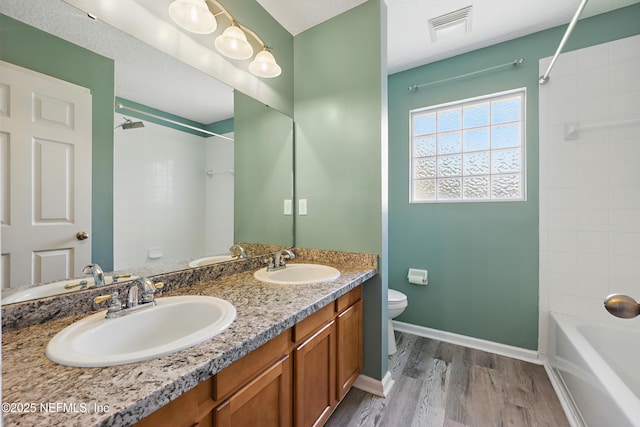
(82, 235)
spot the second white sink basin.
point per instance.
(174, 324)
(210, 260)
(300, 274)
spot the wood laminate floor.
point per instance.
(442, 384)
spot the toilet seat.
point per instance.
(396, 300)
(396, 296)
(396, 303)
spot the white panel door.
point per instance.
(45, 156)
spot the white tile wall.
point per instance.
(219, 204)
(590, 186)
(161, 195)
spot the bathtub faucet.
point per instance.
(622, 306)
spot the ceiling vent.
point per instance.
(450, 24)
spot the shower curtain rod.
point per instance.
(545, 77)
(120, 105)
(513, 64)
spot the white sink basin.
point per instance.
(210, 260)
(300, 274)
(174, 324)
(55, 288)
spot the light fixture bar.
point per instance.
(233, 43)
(230, 18)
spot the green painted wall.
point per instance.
(31, 48)
(263, 163)
(340, 98)
(482, 257)
(279, 41)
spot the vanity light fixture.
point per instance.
(233, 43)
(264, 65)
(194, 15)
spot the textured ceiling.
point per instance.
(299, 15)
(142, 74)
(150, 77)
(408, 42)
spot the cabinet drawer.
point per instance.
(239, 373)
(186, 410)
(348, 299)
(313, 322)
(264, 402)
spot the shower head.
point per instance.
(129, 124)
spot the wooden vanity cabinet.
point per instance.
(327, 358)
(314, 369)
(265, 401)
(194, 408)
(349, 347)
(258, 386)
(297, 378)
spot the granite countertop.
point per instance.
(36, 391)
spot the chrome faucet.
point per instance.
(136, 300)
(238, 251)
(148, 292)
(98, 275)
(277, 261)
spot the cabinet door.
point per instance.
(314, 377)
(264, 402)
(349, 352)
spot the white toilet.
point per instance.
(397, 302)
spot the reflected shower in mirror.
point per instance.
(173, 195)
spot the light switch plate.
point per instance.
(288, 206)
(302, 206)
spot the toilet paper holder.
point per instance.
(417, 276)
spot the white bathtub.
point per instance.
(597, 367)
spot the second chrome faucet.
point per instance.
(278, 260)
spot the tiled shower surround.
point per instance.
(589, 180)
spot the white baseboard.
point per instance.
(478, 344)
(371, 385)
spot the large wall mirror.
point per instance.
(176, 193)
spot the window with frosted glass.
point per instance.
(471, 150)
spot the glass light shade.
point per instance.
(264, 65)
(193, 16)
(233, 44)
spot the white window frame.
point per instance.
(461, 103)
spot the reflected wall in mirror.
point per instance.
(264, 146)
(36, 50)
